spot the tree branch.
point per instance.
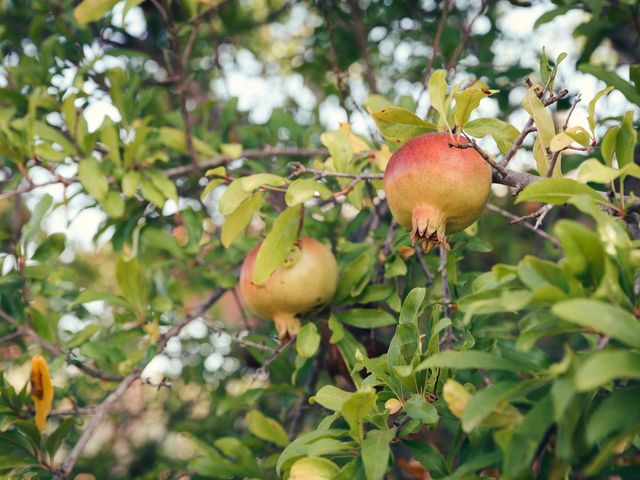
(103, 409)
(514, 218)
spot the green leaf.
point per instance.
(305, 189)
(266, 428)
(419, 409)
(602, 367)
(468, 100)
(557, 191)
(545, 73)
(151, 193)
(109, 137)
(177, 140)
(251, 182)
(313, 468)
(483, 403)
(616, 412)
(429, 457)
(92, 10)
(603, 317)
(11, 462)
(471, 359)
(308, 341)
(92, 179)
(411, 306)
(163, 184)
(51, 248)
(113, 205)
(438, 92)
(232, 197)
(399, 125)
(626, 141)
(234, 150)
(130, 182)
(365, 317)
(591, 117)
(237, 221)
(298, 448)
(83, 335)
(503, 133)
(541, 116)
(331, 398)
(583, 249)
(565, 138)
(92, 296)
(356, 408)
(549, 16)
(613, 80)
(55, 439)
(376, 452)
(376, 102)
(340, 149)
(277, 245)
(608, 144)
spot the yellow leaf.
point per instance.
(357, 143)
(41, 390)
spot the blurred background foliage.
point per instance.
(110, 115)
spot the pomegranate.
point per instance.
(308, 278)
(435, 189)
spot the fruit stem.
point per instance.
(287, 325)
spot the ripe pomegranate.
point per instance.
(307, 279)
(435, 189)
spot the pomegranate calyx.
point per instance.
(428, 227)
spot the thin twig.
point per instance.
(273, 357)
(511, 216)
(236, 337)
(334, 61)
(528, 128)
(448, 337)
(436, 45)
(466, 33)
(471, 143)
(103, 409)
(361, 35)
(29, 332)
(423, 265)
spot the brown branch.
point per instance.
(265, 152)
(361, 35)
(273, 357)
(198, 17)
(334, 61)
(27, 331)
(108, 403)
(299, 169)
(512, 217)
(528, 128)
(436, 45)
(423, 265)
(556, 155)
(471, 143)
(466, 33)
(448, 337)
(236, 337)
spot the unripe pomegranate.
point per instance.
(435, 189)
(307, 279)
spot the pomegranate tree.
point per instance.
(307, 279)
(436, 189)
